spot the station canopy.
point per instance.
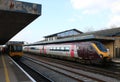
(14, 16)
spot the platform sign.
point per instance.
(18, 6)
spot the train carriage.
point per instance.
(91, 51)
(14, 49)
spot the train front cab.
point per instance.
(15, 51)
(102, 52)
(93, 52)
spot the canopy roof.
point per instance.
(14, 16)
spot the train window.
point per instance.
(62, 48)
(66, 48)
(12, 48)
(58, 48)
(32, 48)
(19, 48)
(101, 46)
(51, 48)
(16, 48)
(36, 48)
(54, 48)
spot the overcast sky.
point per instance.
(61, 15)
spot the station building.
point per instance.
(109, 37)
(64, 34)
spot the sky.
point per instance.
(61, 15)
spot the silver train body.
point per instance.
(92, 52)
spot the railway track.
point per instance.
(38, 77)
(110, 71)
(71, 72)
(116, 65)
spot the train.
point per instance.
(14, 49)
(92, 52)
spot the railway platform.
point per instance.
(116, 60)
(11, 72)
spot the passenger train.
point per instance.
(14, 49)
(92, 52)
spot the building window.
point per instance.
(68, 33)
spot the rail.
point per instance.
(76, 74)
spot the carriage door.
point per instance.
(82, 52)
(72, 51)
(44, 48)
(41, 50)
(85, 52)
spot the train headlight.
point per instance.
(101, 56)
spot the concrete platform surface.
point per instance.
(116, 60)
(11, 72)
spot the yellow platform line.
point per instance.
(5, 70)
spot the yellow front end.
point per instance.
(104, 55)
(16, 54)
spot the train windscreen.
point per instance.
(16, 48)
(100, 46)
